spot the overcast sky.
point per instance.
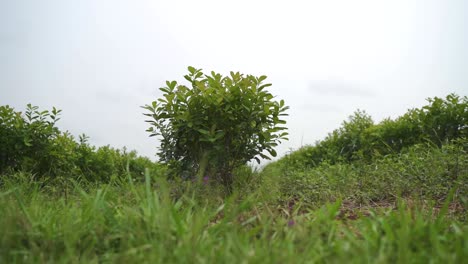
(99, 61)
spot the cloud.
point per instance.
(320, 107)
(338, 88)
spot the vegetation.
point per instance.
(126, 223)
(32, 142)
(390, 192)
(216, 125)
(359, 139)
(423, 172)
(422, 153)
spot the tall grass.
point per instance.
(128, 222)
(423, 172)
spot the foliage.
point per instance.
(392, 192)
(359, 139)
(26, 140)
(442, 120)
(423, 171)
(216, 124)
(32, 142)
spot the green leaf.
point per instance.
(191, 69)
(264, 86)
(203, 131)
(272, 152)
(164, 89)
(261, 78)
(281, 121)
(27, 142)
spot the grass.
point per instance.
(144, 222)
(422, 172)
(399, 196)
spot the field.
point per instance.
(392, 192)
(145, 220)
(138, 223)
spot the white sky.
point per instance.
(99, 61)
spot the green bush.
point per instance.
(26, 139)
(32, 142)
(359, 139)
(439, 122)
(424, 171)
(216, 125)
(444, 120)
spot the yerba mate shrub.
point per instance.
(216, 124)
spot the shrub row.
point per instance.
(439, 122)
(422, 171)
(31, 141)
